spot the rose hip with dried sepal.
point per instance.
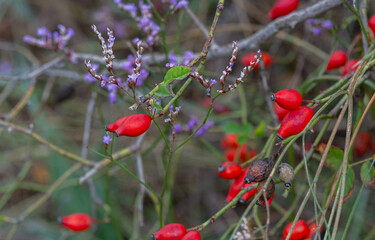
(134, 125)
(288, 99)
(295, 122)
(192, 235)
(286, 174)
(259, 170)
(229, 170)
(76, 222)
(270, 190)
(112, 127)
(282, 8)
(337, 59)
(172, 231)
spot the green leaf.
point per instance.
(367, 174)
(242, 139)
(163, 91)
(157, 106)
(232, 127)
(176, 73)
(334, 158)
(349, 184)
(247, 128)
(260, 130)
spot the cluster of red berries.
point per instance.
(301, 231)
(131, 126)
(76, 222)
(234, 150)
(175, 231)
(294, 117)
(363, 144)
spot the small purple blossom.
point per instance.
(204, 129)
(5, 68)
(188, 56)
(107, 139)
(327, 24)
(316, 31)
(178, 128)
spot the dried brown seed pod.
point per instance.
(259, 170)
(269, 191)
(286, 174)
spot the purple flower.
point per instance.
(28, 39)
(42, 31)
(317, 31)
(188, 56)
(204, 129)
(327, 24)
(107, 139)
(192, 123)
(178, 128)
(5, 68)
(128, 65)
(131, 8)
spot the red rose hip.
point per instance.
(280, 112)
(229, 141)
(247, 59)
(229, 170)
(282, 8)
(362, 143)
(350, 66)
(294, 122)
(192, 235)
(371, 23)
(134, 125)
(112, 127)
(300, 231)
(288, 99)
(337, 59)
(172, 231)
(77, 222)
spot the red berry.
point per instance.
(248, 194)
(192, 235)
(337, 59)
(371, 23)
(362, 143)
(252, 153)
(282, 8)
(172, 231)
(236, 186)
(77, 222)
(300, 231)
(294, 122)
(350, 66)
(230, 154)
(134, 125)
(229, 141)
(249, 58)
(269, 201)
(229, 170)
(280, 112)
(112, 127)
(288, 99)
(312, 231)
